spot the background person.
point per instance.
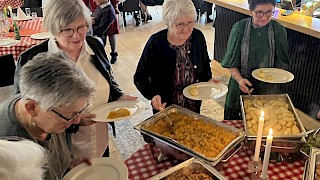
(54, 92)
(254, 42)
(69, 25)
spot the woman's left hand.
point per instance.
(76, 161)
(128, 98)
(86, 119)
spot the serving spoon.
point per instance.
(168, 120)
(254, 102)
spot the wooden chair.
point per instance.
(130, 6)
(7, 69)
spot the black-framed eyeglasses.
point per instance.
(260, 14)
(181, 26)
(69, 32)
(74, 115)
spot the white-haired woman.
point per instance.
(22, 159)
(54, 92)
(173, 58)
(68, 21)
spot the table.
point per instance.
(142, 165)
(26, 42)
(12, 3)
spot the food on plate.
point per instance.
(202, 137)
(261, 73)
(194, 91)
(121, 112)
(269, 77)
(317, 175)
(311, 142)
(189, 173)
(277, 116)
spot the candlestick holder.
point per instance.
(255, 168)
(266, 178)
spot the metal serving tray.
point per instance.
(193, 164)
(273, 97)
(174, 108)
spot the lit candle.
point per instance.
(259, 137)
(10, 10)
(264, 173)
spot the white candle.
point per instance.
(259, 137)
(10, 10)
(267, 151)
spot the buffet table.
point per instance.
(26, 42)
(142, 164)
(303, 34)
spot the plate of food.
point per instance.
(42, 35)
(272, 75)
(8, 42)
(100, 169)
(118, 110)
(205, 90)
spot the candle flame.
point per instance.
(270, 132)
(262, 113)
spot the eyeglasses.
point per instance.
(181, 26)
(74, 115)
(260, 14)
(69, 32)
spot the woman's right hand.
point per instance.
(156, 103)
(243, 85)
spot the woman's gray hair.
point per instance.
(52, 80)
(173, 9)
(59, 14)
(22, 160)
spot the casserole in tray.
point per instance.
(191, 168)
(192, 133)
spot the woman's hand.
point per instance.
(156, 103)
(86, 119)
(243, 85)
(128, 98)
(76, 161)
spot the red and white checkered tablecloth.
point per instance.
(26, 42)
(142, 164)
(12, 3)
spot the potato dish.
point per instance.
(277, 116)
(202, 137)
(121, 112)
(187, 173)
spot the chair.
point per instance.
(7, 69)
(130, 6)
(200, 7)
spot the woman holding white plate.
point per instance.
(254, 42)
(68, 21)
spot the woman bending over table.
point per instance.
(173, 58)
(53, 93)
(68, 21)
(254, 42)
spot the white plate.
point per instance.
(206, 90)
(42, 35)
(278, 75)
(24, 19)
(103, 111)
(101, 168)
(8, 42)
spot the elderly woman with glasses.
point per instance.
(54, 92)
(254, 42)
(173, 58)
(68, 22)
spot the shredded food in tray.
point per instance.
(187, 173)
(203, 137)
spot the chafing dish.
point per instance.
(291, 108)
(193, 165)
(314, 159)
(240, 135)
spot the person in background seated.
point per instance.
(254, 42)
(22, 159)
(68, 22)
(173, 58)
(54, 92)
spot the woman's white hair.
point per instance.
(22, 160)
(173, 9)
(59, 14)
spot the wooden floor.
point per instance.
(132, 41)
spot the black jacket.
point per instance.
(100, 61)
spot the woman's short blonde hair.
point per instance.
(59, 14)
(173, 9)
